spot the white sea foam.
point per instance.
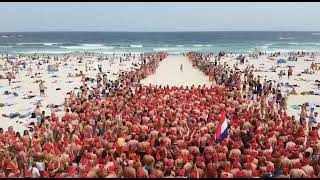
(88, 47)
(136, 45)
(120, 52)
(92, 45)
(180, 45)
(264, 47)
(318, 44)
(197, 45)
(51, 44)
(45, 44)
(291, 50)
(45, 52)
(286, 38)
(172, 49)
(160, 49)
(296, 43)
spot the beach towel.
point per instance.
(17, 87)
(301, 79)
(13, 115)
(314, 105)
(39, 118)
(29, 97)
(307, 93)
(25, 115)
(52, 68)
(317, 93)
(296, 107)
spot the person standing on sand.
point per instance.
(99, 78)
(181, 67)
(283, 103)
(303, 114)
(290, 72)
(104, 79)
(259, 89)
(315, 121)
(100, 68)
(280, 74)
(312, 67)
(9, 77)
(41, 87)
(278, 99)
(211, 74)
(30, 70)
(311, 117)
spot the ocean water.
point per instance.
(172, 42)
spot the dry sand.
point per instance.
(169, 73)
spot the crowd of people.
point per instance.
(121, 129)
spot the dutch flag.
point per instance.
(222, 130)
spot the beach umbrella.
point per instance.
(52, 68)
(281, 61)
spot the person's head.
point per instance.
(10, 128)
(1, 130)
(25, 132)
(18, 134)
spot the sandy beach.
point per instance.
(26, 86)
(131, 103)
(168, 73)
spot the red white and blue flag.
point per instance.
(222, 130)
